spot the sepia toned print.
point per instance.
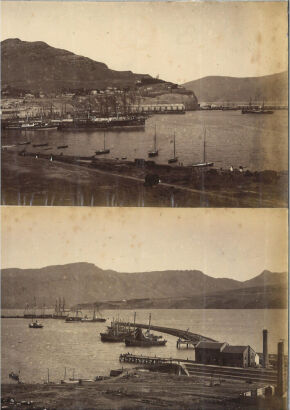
(144, 104)
(104, 309)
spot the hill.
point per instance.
(86, 283)
(260, 297)
(272, 88)
(37, 66)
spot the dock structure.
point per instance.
(191, 368)
(184, 335)
(186, 342)
(140, 359)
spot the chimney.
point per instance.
(280, 373)
(265, 348)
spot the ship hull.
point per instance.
(112, 338)
(102, 125)
(257, 112)
(144, 343)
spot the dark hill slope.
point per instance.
(38, 66)
(272, 88)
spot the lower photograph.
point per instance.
(153, 308)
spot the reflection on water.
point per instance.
(257, 142)
(77, 346)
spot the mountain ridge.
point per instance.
(270, 88)
(87, 283)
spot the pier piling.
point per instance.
(265, 349)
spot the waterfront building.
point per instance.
(223, 354)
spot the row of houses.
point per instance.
(157, 108)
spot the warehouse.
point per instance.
(223, 354)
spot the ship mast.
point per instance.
(204, 146)
(174, 145)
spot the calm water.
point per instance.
(78, 346)
(254, 141)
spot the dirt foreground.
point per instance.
(27, 180)
(138, 390)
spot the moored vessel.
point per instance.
(117, 332)
(35, 325)
(154, 152)
(75, 318)
(147, 339)
(174, 158)
(203, 164)
(103, 123)
(94, 318)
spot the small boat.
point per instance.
(47, 149)
(174, 158)
(154, 152)
(203, 164)
(14, 376)
(147, 339)
(45, 144)
(24, 143)
(35, 325)
(94, 318)
(62, 146)
(105, 150)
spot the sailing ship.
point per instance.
(94, 318)
(60, 312)
(147, 339)
(154, 152)
(105, 150)
(204, 163)
(76, 318)
(174, 158)
(256, 110)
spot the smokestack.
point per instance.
(265, 348)
(280, 373)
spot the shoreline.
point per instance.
(68, 180)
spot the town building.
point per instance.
(223, 354)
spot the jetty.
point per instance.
(183, 335)
(191, 368)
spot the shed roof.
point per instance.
(235, 349)
(210, 345)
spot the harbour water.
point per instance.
(78, 346)
(257, 142)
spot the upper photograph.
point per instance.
(148, 104)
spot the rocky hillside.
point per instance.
(86, 283)
(38, 66)
(271, 88)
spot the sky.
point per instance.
(234, 243)
(179, 42)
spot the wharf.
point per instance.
(191, 368)
(192, 338)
